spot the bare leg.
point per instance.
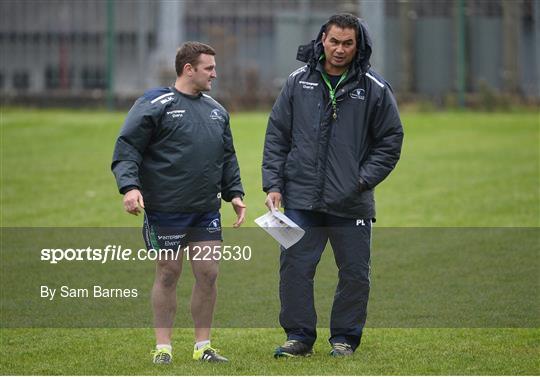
(203, 296)
(164, 297)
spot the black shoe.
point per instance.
(293, 348)
(208, 354)
(341, 349)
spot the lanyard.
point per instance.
(332, 91)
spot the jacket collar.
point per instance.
(190, 96)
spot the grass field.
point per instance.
(457, 170)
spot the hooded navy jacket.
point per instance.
(332, 165)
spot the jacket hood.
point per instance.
(310, 53)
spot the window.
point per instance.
(21, 80)
(53, 78)
(94, 78)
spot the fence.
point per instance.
(79, 52)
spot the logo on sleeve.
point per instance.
(358, 94)
(216, 115)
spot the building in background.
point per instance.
(82, 52)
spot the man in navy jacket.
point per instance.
(334, 134)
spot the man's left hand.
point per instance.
(240, 209)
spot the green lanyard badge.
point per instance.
(332, 91)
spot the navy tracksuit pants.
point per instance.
(350, 240)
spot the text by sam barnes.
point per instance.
(95, 291)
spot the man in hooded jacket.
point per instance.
(334, 133)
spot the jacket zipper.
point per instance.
(333, 122)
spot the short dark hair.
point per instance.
(343, 21)
(189, 52)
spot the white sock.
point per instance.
(201, 344)
(168, 347)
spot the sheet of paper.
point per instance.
(281, 228)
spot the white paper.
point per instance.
(284, 230)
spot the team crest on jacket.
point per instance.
(216, 115)
(358, 94)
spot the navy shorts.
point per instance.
(163, 230)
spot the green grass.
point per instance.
(457, 170)
(384, 351)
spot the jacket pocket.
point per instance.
(342, 177)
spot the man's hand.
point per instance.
(132, 200)
(240, 209)
(273, 200)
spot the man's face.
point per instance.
(203, 73)
(339, 47)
